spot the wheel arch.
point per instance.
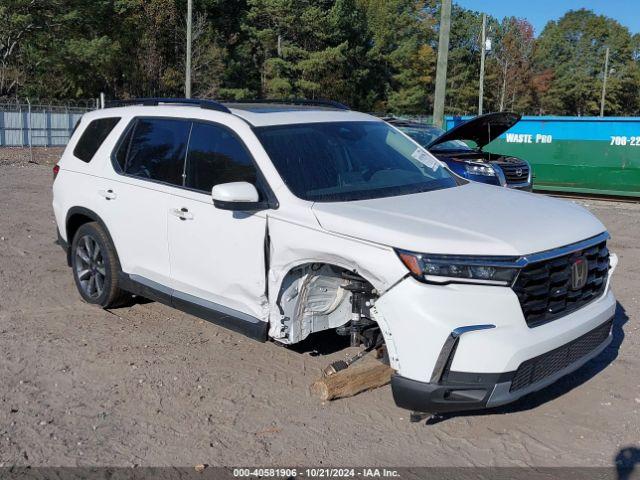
(291, 275)
(78, 216)
(335, 262)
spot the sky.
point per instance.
(539, 12)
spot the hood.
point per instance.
(482, 129)
(473, 219)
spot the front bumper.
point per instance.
(460, 391)
(418, 321)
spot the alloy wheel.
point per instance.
(90, 267)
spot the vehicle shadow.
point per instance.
(626, 461)
(325, 342)
(321, 343)
(562, 386)
(132, 300)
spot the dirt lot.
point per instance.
(147, 385)
(21, 156)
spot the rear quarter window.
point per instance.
(93, 136)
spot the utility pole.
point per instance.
(441, 72)
(187, 79)
(483, 42)
(604, 82)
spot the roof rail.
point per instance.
(207, 104)
(295, 101)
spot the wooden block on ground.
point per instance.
(366, 374)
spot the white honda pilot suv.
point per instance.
(278, 220)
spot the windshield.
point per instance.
(427, 134)
(343, 161)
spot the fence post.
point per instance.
(48, 126)
(30, 133)
(3, 136)
(69, 123)
(23, 128)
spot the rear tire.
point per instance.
(95, 267)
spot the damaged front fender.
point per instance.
(304, 280)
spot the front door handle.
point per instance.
(108, 194)
(182, 213)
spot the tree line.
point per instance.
(375, 55)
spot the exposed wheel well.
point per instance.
(319, 296)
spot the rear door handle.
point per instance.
(182, 213)
(108, 194)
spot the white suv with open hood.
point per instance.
(279, 220)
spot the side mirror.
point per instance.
(237, 196)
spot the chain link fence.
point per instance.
(39, 124)
(42, 123)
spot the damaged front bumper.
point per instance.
(460, 391)
(467, 347)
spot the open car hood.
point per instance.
(482, 129)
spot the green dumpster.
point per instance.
(590, 155)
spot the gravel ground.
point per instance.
(147, 385)
(20, 156)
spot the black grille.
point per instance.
(515, 171)
(544, 288)
(545, 365)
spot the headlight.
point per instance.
(460, 269)
(475, 169)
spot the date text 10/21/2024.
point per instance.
(315, 472)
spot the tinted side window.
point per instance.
(216, 156)
(123, 149)
(92, 137)
(157, 150)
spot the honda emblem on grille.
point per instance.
(579, 273)
(519, 172)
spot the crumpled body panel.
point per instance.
(292, 245)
